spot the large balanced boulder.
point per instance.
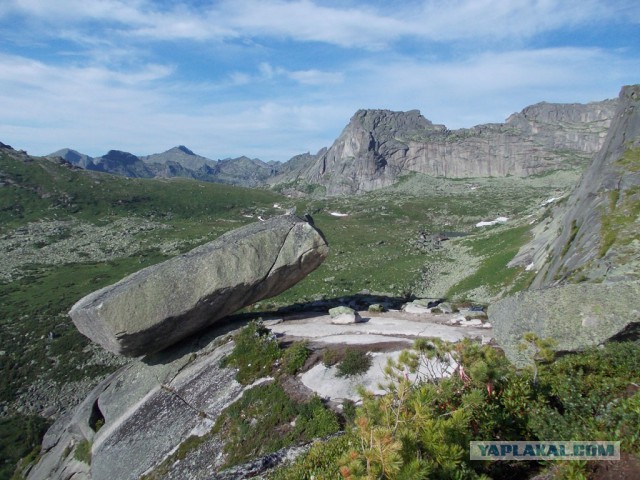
(576, 316)
(162, 304)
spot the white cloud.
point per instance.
(93, 109)
(358, 25)
(316, 77)
(490, 86)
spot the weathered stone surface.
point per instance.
(148, 408)
(344, 316)
(159, 305)
(575, 316)
(594, 235)
(416, 309)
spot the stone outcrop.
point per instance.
(162, 304)
(575, 316)
(378, 146)
(137, 416)
(586, 253)
(594, 235)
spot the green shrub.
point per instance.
(376, 308)
(330, 357)
(355, 362)
(265, 420)
(254, 354)
(349, 410)
(295, 356)
(20, 437)
(319, 463)
(423, 430)
(315, 420)
(83, 452)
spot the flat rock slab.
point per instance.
(162, 304)
(325, 382)
(576, 316)
(417, 309)
(321, 329)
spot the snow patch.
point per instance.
(338, 214)
(492, 222)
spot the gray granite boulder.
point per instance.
(344, 316)
(162, 304)
(576, 316)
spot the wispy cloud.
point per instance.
(359, 25)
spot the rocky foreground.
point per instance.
(138, 416)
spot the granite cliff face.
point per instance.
(594, 235)
(378, 146)
(585, 253)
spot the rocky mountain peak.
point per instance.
(183, 149)
(124, 158)
(409, 124)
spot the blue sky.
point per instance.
(274, 78)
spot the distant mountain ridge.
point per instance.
(377, 147)
(178, 161)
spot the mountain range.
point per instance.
(377, 147)
(175, 162)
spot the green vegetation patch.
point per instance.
(423, 430)
(630, 159)
(496, 251)
(295, 356)
(620, 221)
(355, 362)
(20, 437)
(83, 452)
(321, 462)
(254, 354)
(265, 420)
(572, 236)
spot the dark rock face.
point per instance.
(121, 163)
(159, 305)
(379, 145)
(586, 290)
